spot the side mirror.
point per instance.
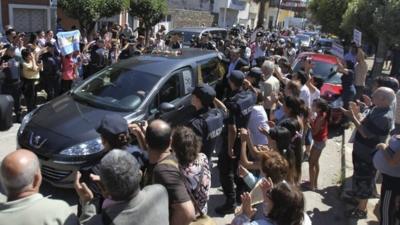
(166, 107)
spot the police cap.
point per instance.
(112, 125)
(205, 93)
(255, 72)
(237, 77)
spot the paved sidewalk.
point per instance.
(373, 204)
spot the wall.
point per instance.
(197, 5)
(283, 14)
(66, 22)
(4, 7)
(190, 18)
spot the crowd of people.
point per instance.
(262, 120)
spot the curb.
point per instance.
(347, 168)
(343, 163)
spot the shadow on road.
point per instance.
(334, 214)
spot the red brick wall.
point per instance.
(66, 22)
(4, 11)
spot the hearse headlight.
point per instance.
(27, 118)
(85, 148)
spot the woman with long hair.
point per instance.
(283, 205)
(278, 141)
(319, 129)
(295, 144)
(193, 166)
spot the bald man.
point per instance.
(21, 178)
(163, 169)
(371, 130)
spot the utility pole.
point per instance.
(225, 11)
(277, 13)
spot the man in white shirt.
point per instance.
(21, 177)
(269, 84)
(127, 31)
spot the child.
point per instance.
(319, 129)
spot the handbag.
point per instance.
(202, 219)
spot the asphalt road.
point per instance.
(323, 206)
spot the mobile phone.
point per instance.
(140, 123)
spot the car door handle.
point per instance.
(180, 107)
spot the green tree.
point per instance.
(261, 11)
(150, 12)
(88, 12)
(379, 22)
(328, 13)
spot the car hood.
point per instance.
(65, 122)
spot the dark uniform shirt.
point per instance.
(200, 127)
(237, 113)
(13, 72)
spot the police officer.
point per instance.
(50, 76)
(114, 133)
(207, 122)
(12, 81)
(254, 77)
(239, 105)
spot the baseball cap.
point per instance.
(237, 77)
(112, 125)
(205, 93)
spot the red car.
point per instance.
(327, 79)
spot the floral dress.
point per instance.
(198, 180)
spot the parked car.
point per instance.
(328, 80)
(189, 32)
(314, 35)
(303, 41)
(62, 132)
(323, 45)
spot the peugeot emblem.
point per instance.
(36, 141)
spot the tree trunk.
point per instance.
(147, 31)
(89, 26)
(261, 12)
(379, 57)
